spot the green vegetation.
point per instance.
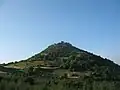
(32, 80)
(61, 67)
(24, 64)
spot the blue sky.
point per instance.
(29, 26)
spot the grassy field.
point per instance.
(22, 65)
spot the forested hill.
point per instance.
(61, 66)
(65, 55)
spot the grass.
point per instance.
(24, 64)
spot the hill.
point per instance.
(61, 66)
(66, 56)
